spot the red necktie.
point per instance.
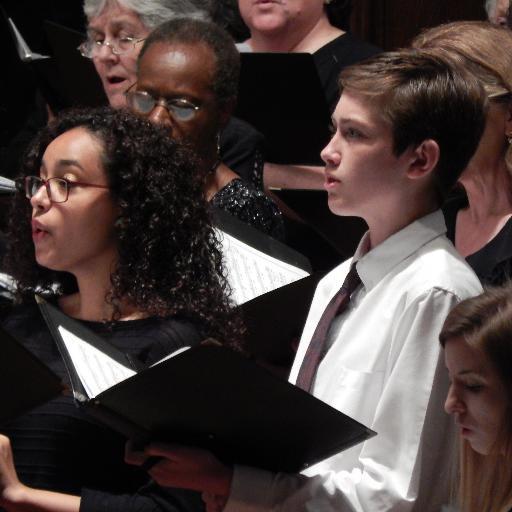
(316, 346)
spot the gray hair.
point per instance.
(151, 12)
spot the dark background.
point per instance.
(386, 23)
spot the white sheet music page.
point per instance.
(96, 370)
(251, 272)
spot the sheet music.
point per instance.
(96, 370)
(251, 272)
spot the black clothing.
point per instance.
(493, 262)
(58, 447)
(251, 206)
(241, 149)
(336, 55)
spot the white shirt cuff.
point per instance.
(250, 490)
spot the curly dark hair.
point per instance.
(169, 261)
(191, 31)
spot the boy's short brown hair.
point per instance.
(424, 96)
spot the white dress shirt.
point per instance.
(383, 368)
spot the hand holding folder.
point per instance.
(206, 396)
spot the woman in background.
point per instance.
(113, 228)
(479, 220)
(477, 339)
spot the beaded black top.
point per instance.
(252, 206)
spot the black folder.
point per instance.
(286, 306)
(343, 233)
(281, 95)
(25, 381)
(275, 321)
(72, 75)
(211, 397)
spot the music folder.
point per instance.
(270, 282)
(206, 396)
(77, 81)
(24, 380)
(255, 263)
(281, 95)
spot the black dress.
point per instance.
(58, 447)
(242, 149)
(336, 55)
(251, 206)
(493, 262)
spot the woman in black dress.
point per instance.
(113, 228)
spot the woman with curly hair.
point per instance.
(116, 232)
(477, 341)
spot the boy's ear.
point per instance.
(508, 120)
(424, 159)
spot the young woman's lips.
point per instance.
(330, 182)
(464, 431)
(38, 232)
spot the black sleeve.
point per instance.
(242, 150)
(150, 498)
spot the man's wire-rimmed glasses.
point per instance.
(56, 188)
(143, 103)
(118, 46)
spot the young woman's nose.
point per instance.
(454, 403)
(41, 200)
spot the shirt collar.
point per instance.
(373, 265)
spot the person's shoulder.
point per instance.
(165, 335)
(250, 205)
(239, 132)
(348, 49)
(438, 265)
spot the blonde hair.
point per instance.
(485, 323)
(485, 50)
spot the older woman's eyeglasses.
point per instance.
(143, 103)
(118, 46)
(56, 188)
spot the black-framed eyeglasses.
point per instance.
(56, 188)
(143, 103)
(118, 46)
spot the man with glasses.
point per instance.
(115, 33)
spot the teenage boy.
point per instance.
(405, 127)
